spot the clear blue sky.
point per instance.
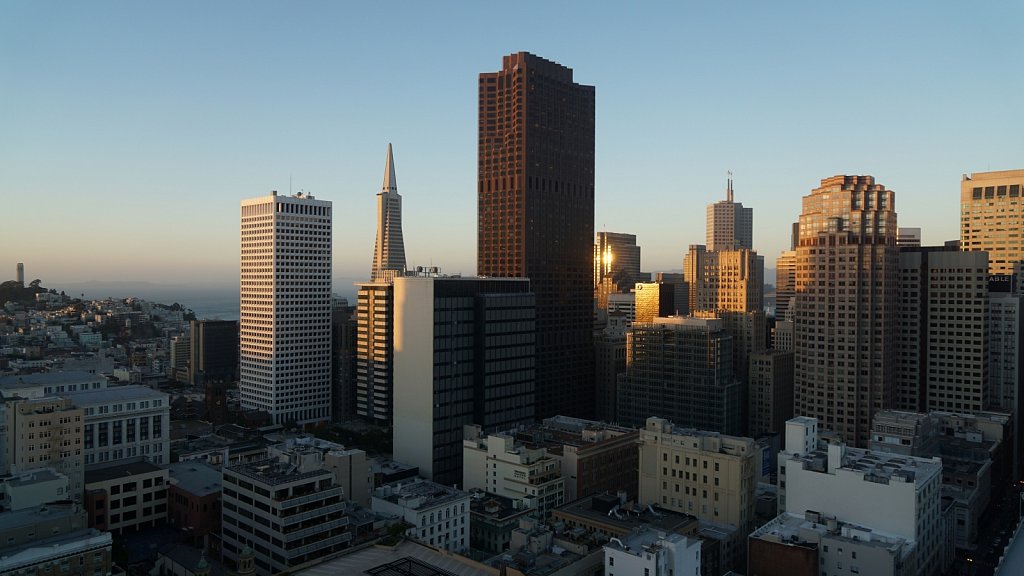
(131, 130)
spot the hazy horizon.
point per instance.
(134, 131)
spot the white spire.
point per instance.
(389, 174)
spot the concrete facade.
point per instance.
(496, 463)
(123, 422)
(438, 515)
(991, 214)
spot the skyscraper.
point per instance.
(846, 322)
(942, 353)
(536, 214)
(463, 354)
(285, 320)
(389, 249)
(616, 265)
(729, 225)
(991, 217)
(785, 282)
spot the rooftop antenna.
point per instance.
(728, 190)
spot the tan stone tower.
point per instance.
(846, 296)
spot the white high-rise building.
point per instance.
(285, 319)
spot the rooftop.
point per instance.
(809, 530)
(429, 560)
(120, 470)
(49, 379)
(189, 557)
(419, 494)
(58, 546)
(494, 507)
(273, 472)
(644, 541)
(881, 467)
(607, 509)
(196, 478)
(30, 477)
(29, 516)
(115, 394)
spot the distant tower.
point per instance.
(616, 265)
(21, 274)
(285, 316)
(389, 249)
(730, 226)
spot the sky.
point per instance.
(131, 131)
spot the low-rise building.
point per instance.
(437, 515)
(123, 422)
(193, 499)
(52, 539)
(851, 485)
(33, 489)
(492, 518)
(287, 509)
(652, 554)
(43, 432)
(497, 464)
(126, 495)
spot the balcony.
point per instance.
(325, 527)
(301, 499)
(302, 516)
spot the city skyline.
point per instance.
(121, 123)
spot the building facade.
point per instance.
(496, 463)
(991, 215)
(785, 284)
(616, 265)
(374, 357)
(464, 354)
(287, 511)
(285, 325)
(846, 318)
(705, 474)
(770, 392)
(437, 515)
(214, 351)
(44, 433)
(837, 482)
(124, 422)
(681, 369)
(942, 351)
(126, 495)
(535, 191)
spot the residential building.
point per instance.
(730, 226)
(464, 354)
(681, 369)
(285, 325)
(654, 554)
(594, 457)
(536, 214)
(193, 499)
(497, 464)
(374, 354)
(437, 515)
(53, 539)
(616, 265)
(124, 422)
(705, 474)
(991, 214)
(128, 494)
(389, 247)
(846, 319)
(43, 432)
(837, 482)
(770, 392)
(287, 510)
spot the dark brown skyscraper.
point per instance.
(536, 214)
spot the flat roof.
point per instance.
(114, 394)
(29, 516)
(432, 494)
(377, 556)
(120, 470)
(30, 477)
(196, 478)
(874, 466)
(49, 378)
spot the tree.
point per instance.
(35, 283)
